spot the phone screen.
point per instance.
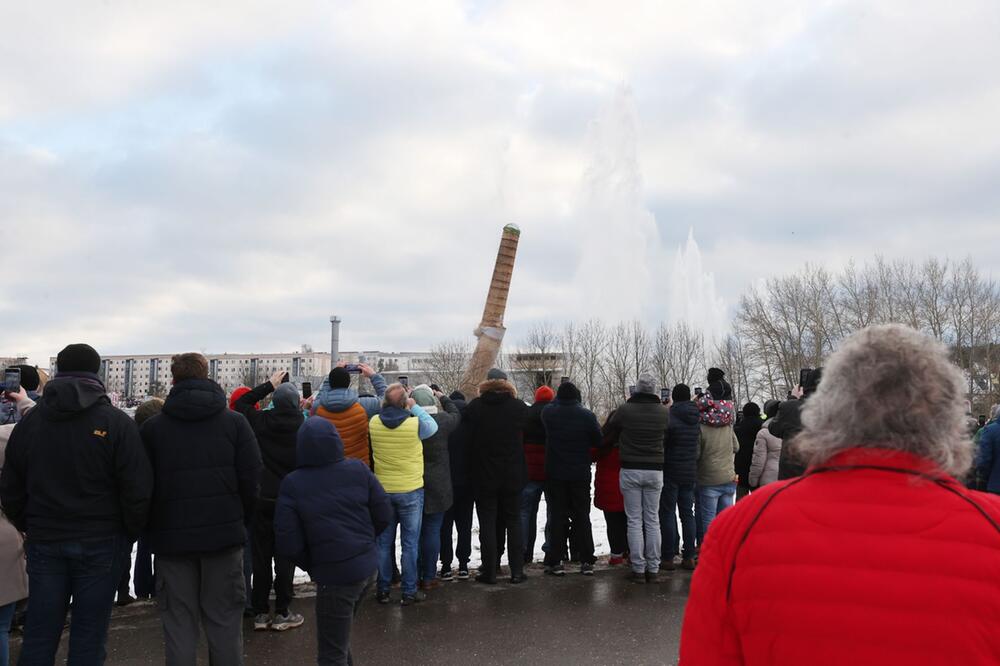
(404, 380)
(12, 380)
(563, 379)
(307, 389)
(664, 393)
(804, 376)
(631, 389)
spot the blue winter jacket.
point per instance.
(988, 456)
(571, 430)
(330, 509)
(680, 446)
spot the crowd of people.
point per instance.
(231, 494)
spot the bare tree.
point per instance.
(538, 358)
(591, 341)
(447, 362)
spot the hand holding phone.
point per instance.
(12, 380)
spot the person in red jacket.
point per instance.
(608, 498)
(876, 555)
(534, 455)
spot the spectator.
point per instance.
(31, 383)
(608, 498)
(437, 479)
(77, 482)
(766, 452)
(716, 450)
(145, 587)
(571, 433)
(238, 393)
(338, 403)
(397, 434)
(788, 423)
(463, 502)
(680, 470)
(746, 434)
(534, 456)
(988, 456)
(234, 397)
(206, 466)
(329, 513)
(13, 574)
(275, 430)
(884, 438)
(498, 470)
(638, 426)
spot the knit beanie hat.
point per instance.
(751, 410)
(646, 384)
(147, 410)
(237, 393)
(715, 375)
(544, 394)
(496, 373)
(79, 358)
(423, 396)
(771, 408)
(457, 395)
(568, 391)
(339, 378)
(681, 393)
(29, 377)
(286, 395)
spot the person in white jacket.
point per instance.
(766, 452)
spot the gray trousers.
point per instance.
(641, 490)
(209, 590)
(336, 606)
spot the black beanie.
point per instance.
(457, 395)
(681, 393)
(78, 358)
(568, 391)
(715, 375)
(339, 378)
(29, 377)
(721, 390)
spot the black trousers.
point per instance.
(262, 550)
(459, 516)
(490, 505)
(336, 607)
(617, 523)
(570, 500)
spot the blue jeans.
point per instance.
(86, 571)
(712, 500)
(430, 544)
(677, 499)
(6, 616)
(531, 497)
(407, 513)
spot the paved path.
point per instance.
(573, 620)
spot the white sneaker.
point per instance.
(261, 622)
(287, 621)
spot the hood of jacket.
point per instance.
(283, 419)
(686, 412)
(644, 398)
(494, 391)
(195, 400)
(336, 399)
(318, 444)
(393, 417)
(71, 393)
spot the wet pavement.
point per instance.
(571, 620)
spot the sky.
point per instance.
(225, 176)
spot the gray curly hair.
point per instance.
(888, 387)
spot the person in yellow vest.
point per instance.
(338, 403)
(397, 435)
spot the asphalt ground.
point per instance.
(575, 620)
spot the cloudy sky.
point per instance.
(224, 176)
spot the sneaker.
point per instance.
(688, 564)
(261, 622)
(446, 574)
(636, 577)
(382, 596)
(410, 599)
(285, 621)
(652, 577)
(616, 561)
(555, 570)
(518, 579)
(668, 565)
(463, 572)
(587, 569)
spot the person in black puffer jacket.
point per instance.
(788, 423)
(275, 429)
(571, 431)
(680, 470)
(746, 434)
(77, 481)
(206, 469)
(463, 500)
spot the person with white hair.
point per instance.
(876, 554)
